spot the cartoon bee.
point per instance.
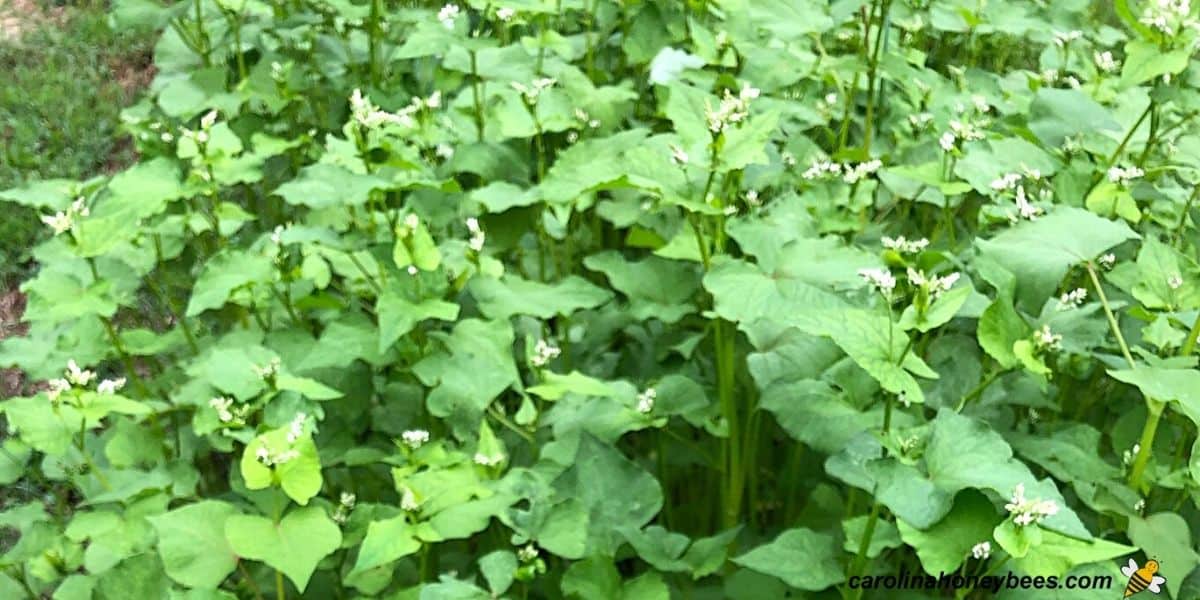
(1143, 578)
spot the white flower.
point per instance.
(752, 198)
(478, 237)
(1006, 182)
(528, 553)
(733, 109)
(1072, 299)
(408, 500)
(77, 376)
(1108, 260)
(934, 284)
(904, 246)
(1029, 511)
(821, 169)
(919, 120)
(881, 278)
(505, 14)
(543, 353)
(1124, 175)
(59, 222)
(1105, 61)
(533, 91)
(268, 370)
(110, 386)
(208, 120)
(645, 400)
(1129, 455)
(444, 151)
(859, 171)
(415, 438)
(1140, 505)
(1174, 281)
(981, 103)
(1168, 16)
(434, 100)
(488, 461)
(1062, 38)
(788, 158)
(57, 387)
(222, 406)
(263, 455)
(348, 499)
(1046, 339)
(947, 141)
(447, 15)
(1025, 210)
(678, 156)
(412, 269)
(296, 427)
(831, 98)
(982, 550)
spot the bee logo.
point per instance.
(1144, 578)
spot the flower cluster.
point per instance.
(477, 235)
(1123, 175)
(645, 400)
(1129, 455)
(678, 155)
(982, 550)
(488, 460)
(1168, 16)
(74, 376)
(528, 553)
(505, 14)
(415, 438)
(1108, 260)
(267, 371)
(1062, 38)
(1015, 184)
(733, 109)
(1029, 511)
(271, 458)
(1105, 62)
(345, 505)
(850, 173)
(448, 14)
(1072, 299)
(1174, 281)
(296, 427)
(1045, 339)
(533, 91)
(882, 279)
(63, 221)
(905, 246)
(543, 353)
(959, 132)
(227, 413)
(368, 115)
(408, 500)
(934, 284)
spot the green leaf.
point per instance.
(598, 469)
(815, 414)
(939, 313)
(555, 386)
(1040, 252)
(1111, 200)
(481, 348)
(656, 287)
(1056, 114)
(885, 536)
(387, 541)
(1179, 386)
(746, 144)
(1055, 554)
(503, 298)
(192, 544)
(1166, 536)
(325, 186)
(398, 315)
(802, 558)
(294, 545)
(945, 545)
(498, 568)
(224, 274)
(865, 337)
(300, 476)
(1145, 61)
(1000, 326)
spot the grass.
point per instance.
(62, 87)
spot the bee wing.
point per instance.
(1153, 587)
(1128, 570)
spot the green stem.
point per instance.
(860, 560)
(1112, 320)
(1178, 235)
(1112, 159)
(280, 593)
(477, 93)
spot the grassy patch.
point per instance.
(65, 82)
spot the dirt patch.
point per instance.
(12, 307)
(17, 17)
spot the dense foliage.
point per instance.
(594, 299)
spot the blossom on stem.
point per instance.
(881, 278)
(904, 246)
(415, 438)
(645, 400)
(1028, 511)
(1072, 299)
(543, 353)
(77, 376)
(447, 15)
(982, 550)
(110, 386)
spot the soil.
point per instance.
(12, 306)
(20, 16)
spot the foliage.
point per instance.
(619, 300)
